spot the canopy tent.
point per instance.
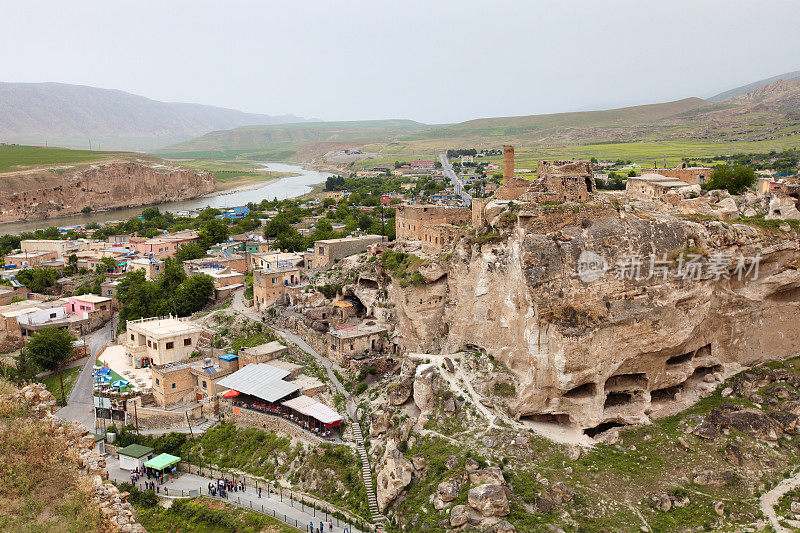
(160, 462)
(316, 410)
(230, 394)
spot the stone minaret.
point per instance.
(508, 162)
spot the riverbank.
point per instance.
(286, 181)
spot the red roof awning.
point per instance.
(230, 394)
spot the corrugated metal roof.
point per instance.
(313, 408)
(260, 380)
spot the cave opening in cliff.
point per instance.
(605, 426)
(368, 283)
(615, 399)
(636, 381)
(702, 371)
(703, 352)
(676, 360)
(667, 394)
(359, 309)
(548, 418)
(587, 390)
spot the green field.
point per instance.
(22, 157)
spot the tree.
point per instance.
(49, 349)
(189, 251)
(37, 279)
(149, 213)
(213, 231)
(734, 179)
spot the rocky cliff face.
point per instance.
(612, 349)
(100, 187)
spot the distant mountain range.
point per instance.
(60, 114)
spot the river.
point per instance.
(289, 187)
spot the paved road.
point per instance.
(458, 185)
(272, 504)
(80, 406)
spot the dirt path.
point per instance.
(769, 500)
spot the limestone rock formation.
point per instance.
(99, 187)
(426, 383)
(783, 208)
(393, 477)
(621, 346)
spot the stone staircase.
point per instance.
(366, 472)
(205, 426)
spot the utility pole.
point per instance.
(136, 418)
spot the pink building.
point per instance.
(163, 246)
(78, 305)
(423, 164)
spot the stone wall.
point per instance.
(411, 219)
(105, 186)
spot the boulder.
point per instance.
(459, 515)
(717, 478)
(448, 364)
(471, 465)
(573, 453)
(491, 475)
(489, 500)
(393, 477)
(446, 492)
(432, 271)
(400, 391)
(752, 422)
(690, 191)
(419, 461)
(451, 462)
(727, 209)
(502, 527)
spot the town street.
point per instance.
(80, 406)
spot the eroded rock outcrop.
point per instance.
(99, 187)
(622, 346)
(393, 477)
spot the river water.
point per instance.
(289, 187)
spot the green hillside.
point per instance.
(276, 137)
(16, 157)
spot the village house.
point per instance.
(329, 251)
(276, 260)
(151, 266)
(8, 294)
(87, 304)
(160, 340)
(346, 342)
(683, 172)
(233, 261)
(651, 185)
(263, 353)
(269, 285)
(30, 259)
(163, 246)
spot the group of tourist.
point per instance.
(224, 486)
(321, 528)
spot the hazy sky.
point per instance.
(431, 61)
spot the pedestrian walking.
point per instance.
(259, 492)
(311, 527)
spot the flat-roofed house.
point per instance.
(160, 340)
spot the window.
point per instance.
(155, 346)
(204, 385)
(170, 345)
(187, 342)
(149, 344)
(131, 336)
(157, 381)
(173, 385)
(52, 315)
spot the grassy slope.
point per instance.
(40, 489)
(25, 157)
(614, 485)
(203, 515)
(257, 138)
